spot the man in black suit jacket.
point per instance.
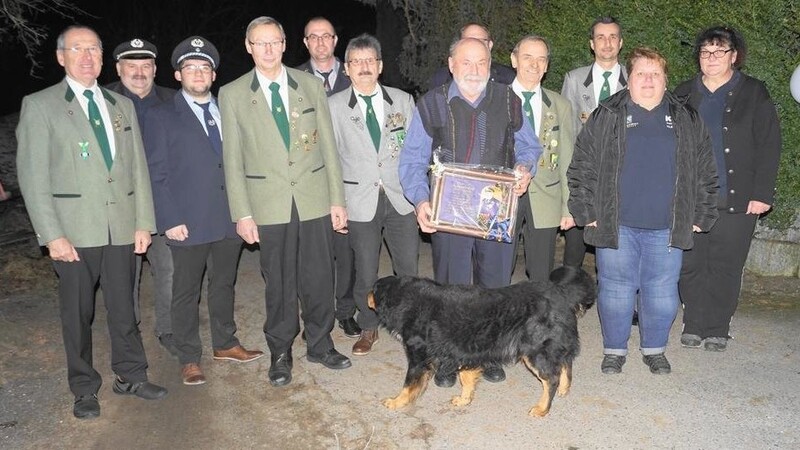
(184, 152)
(136, 67)
(497, 72)
(320, 39)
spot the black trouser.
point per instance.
(113, 267)
(297, 262)
(539, 243)
(574, 247)
(345, 276)
(711, 275)
(189, 264)
(402, 240)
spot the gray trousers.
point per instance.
(160, 259)
(402, 240)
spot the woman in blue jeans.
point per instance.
(642, 180)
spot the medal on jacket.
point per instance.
(84, 145)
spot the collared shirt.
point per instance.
(377, 103)
(536, 103)
(100, 100)
(334, 71)
(198, 111)
(598, 79)
(283, 80)
(416, 155)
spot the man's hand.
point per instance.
(141, 240)
(567, 223)
(523, 180)
(757, 207)
(179, 233)
(61, 249)
(339, 219)
(424, 214)
(248, 230)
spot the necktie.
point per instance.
(529, 109)
(605, 91)
(372, 122)
(327, 81)
(96, 120)
(279, 113)
(211, 128)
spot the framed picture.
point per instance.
(474, 201)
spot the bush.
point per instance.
(771, 29)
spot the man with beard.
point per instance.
(585, 87)
(136, 67)
(474, 121)
(191, 206)
(320, 39)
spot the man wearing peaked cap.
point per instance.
(195, 47)
(136, 67)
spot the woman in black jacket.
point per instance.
(641, 180)
(746, 139)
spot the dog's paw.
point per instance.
(394, 403)
(536, 411)
(562, 391)
(458, 400)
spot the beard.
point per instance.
(471, 85)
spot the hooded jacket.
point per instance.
(597, 163)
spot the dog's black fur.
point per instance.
(465, 328)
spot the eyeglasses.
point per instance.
(203, 68)
(705, 54)
(327, 37)
(358, 62)
(263, 45)
(92, 50)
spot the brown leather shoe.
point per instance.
(364, 343)
(192, 374)
(238, 354)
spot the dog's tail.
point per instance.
(579, 287)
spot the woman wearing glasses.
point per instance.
(746, 139)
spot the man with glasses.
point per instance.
(136, 67)
(192, 211)
(284, 184)
(320, 39)
(83, 174)
(370, 122)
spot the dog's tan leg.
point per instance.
(468, 378)
(410, 393)
(565, 380)
(543, 407)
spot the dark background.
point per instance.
(167, 22)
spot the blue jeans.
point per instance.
(645, 263)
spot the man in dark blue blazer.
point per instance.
(184, 154)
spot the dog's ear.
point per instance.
(371, 300)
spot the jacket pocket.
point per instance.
(552, 184)
(66, 195)
(349, 182)
(309, 110)
(318, 169)
(256, 177)
(130, 193)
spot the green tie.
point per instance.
(605, 91)
(279, 113)
(96, 120)
(372, 122)
(529, 109)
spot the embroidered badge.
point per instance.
(668, 120)
(84, 145)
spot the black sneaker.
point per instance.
(350, 328)
(612, 364)
(691, 340)
(716, 344)
(142, 389)
(658, 364)
(86, 407)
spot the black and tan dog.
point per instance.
(465, 328)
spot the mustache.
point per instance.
(364, 72)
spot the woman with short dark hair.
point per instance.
(746, 140)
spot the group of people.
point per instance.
(321, 164)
